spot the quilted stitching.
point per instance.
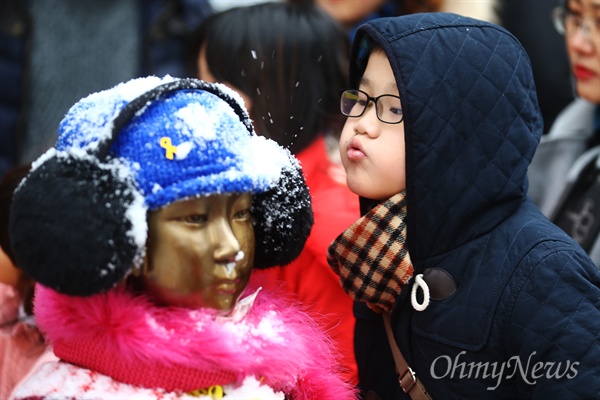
(439, 107)
(548, 314)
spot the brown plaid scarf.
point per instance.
(371, 257)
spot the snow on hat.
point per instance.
(78, 221)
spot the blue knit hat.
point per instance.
(78, 222)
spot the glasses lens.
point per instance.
(558, 18)
(353, 103)
(570, 21)
(389, 109)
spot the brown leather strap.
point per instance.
(407, 378)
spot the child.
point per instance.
(288, 61)
(159, 201)
(487, 298)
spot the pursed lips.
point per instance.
(354, 150)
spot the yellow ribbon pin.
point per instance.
(215, 392)
(165, 143)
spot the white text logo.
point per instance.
(530, 371)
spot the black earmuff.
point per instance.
(283, 219)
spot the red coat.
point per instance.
(335, 208)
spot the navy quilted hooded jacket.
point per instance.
(524, 319)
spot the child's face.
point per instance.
(200, 251)
(372, 151)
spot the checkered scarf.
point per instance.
(371, 257)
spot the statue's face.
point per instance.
(200, 252)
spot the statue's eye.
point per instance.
(195, 219)
(243, 214)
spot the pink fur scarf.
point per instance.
(128, 338)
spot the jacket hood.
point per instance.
(471, 120)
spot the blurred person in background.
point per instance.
(22, 346)
(352, 13)
(53, 52)
(288, 62)
(565, 172)
(531, 22)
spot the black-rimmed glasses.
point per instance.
(388, 108)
